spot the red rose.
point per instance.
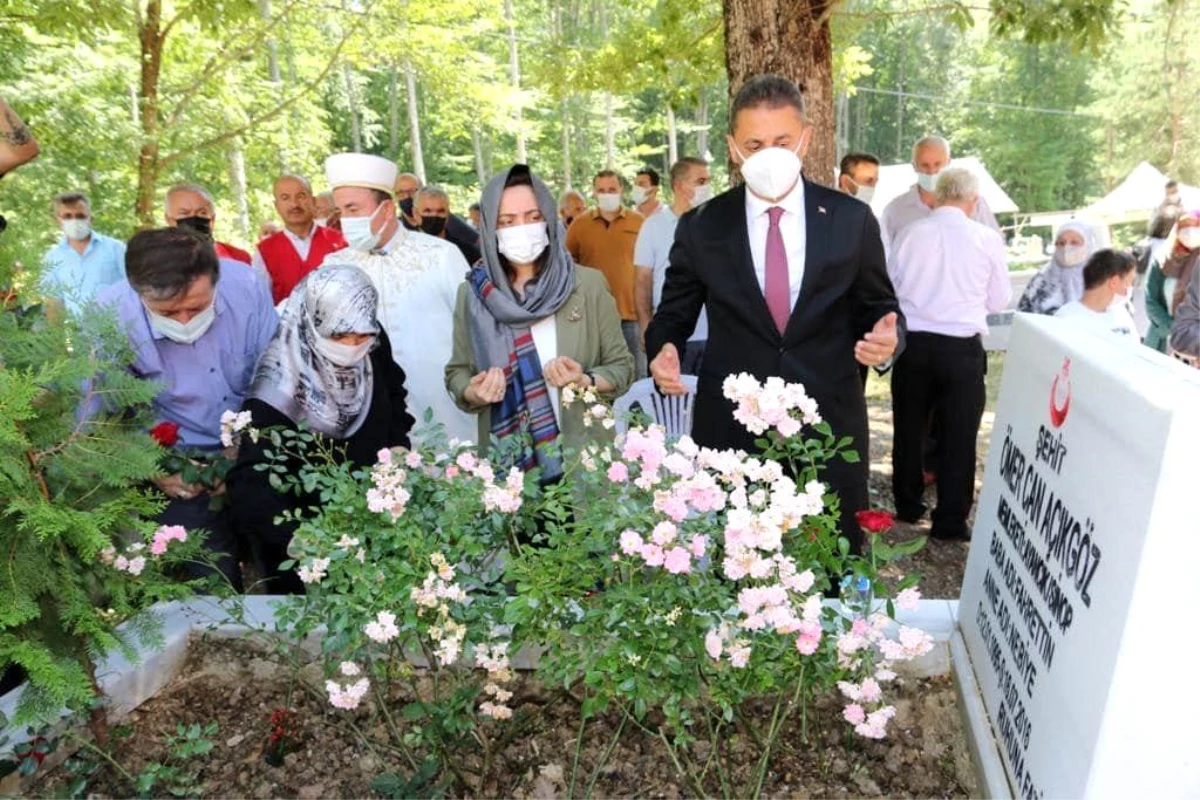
(875, 521)
(165, 433)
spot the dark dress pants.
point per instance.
(219, 541)
(942, 376)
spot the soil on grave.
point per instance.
(940, 564)
(238, 684)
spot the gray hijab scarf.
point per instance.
(293, 377)
(494, 317)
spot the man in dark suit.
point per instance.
(795, 282)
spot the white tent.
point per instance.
(1133, 200)
(1138, 195)
(896, 179)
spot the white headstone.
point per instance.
(1081, 586)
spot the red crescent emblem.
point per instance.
(1058, 415)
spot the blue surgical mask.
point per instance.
(358, 233)
(928, 182)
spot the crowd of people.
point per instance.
(372, 311)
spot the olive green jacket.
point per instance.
(588, 330)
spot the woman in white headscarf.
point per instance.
(1061, 280)
(328, 368)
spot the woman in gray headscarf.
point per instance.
(1061, 280)
(529, 323)
(329, 368)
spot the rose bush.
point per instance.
(680, 586)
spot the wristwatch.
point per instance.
(591, 376)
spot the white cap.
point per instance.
(361, 169)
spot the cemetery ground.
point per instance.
(940, 563)
(230, 691)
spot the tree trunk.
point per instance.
(477, 146)
(264, 10)
(514, 68)
(414, 122)
(237, 179)
(900, 104)
(702, 127)
(789, 38)
(352, 102)
(672, 137)
(610, 132)
(151, 38)
(275, 74)
(842, 127)
(394, 113)
(566, 143)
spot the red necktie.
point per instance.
(779, 296)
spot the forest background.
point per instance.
(129, 96)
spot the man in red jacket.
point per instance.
(302, 245)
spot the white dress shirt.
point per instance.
(302, 244)
(545, 341)
(950, 273)
(909, 207)
(795, 235)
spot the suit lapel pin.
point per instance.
(575, 315)
(820, 209)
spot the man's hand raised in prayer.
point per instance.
(486, 388)
(877, 346)
(665, 371)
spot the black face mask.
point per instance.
(433, 225)
(202, 225)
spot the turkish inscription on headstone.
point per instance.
(1082, 569)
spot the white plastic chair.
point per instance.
(673, 412)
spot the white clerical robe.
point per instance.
(417, 277)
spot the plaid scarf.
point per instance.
(525, 414)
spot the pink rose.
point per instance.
(384, 456)
(652, 554)
(677, 561)
(631, 543)
(854, 714)
(699, 545)
(618, 472)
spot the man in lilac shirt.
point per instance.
(198, 331)
(950, 273)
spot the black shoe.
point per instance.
(909, 516)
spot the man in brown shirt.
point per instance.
(603, 238)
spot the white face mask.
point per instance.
(343, 355)
(771, 172)
(701, 194)
(77, 229)
(522, 244)
(862, 191)
(1190, 237)
(184, 332)
(1071, 255)
(928, 182)
(357, 231)
(640, 195)
(608, 202)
